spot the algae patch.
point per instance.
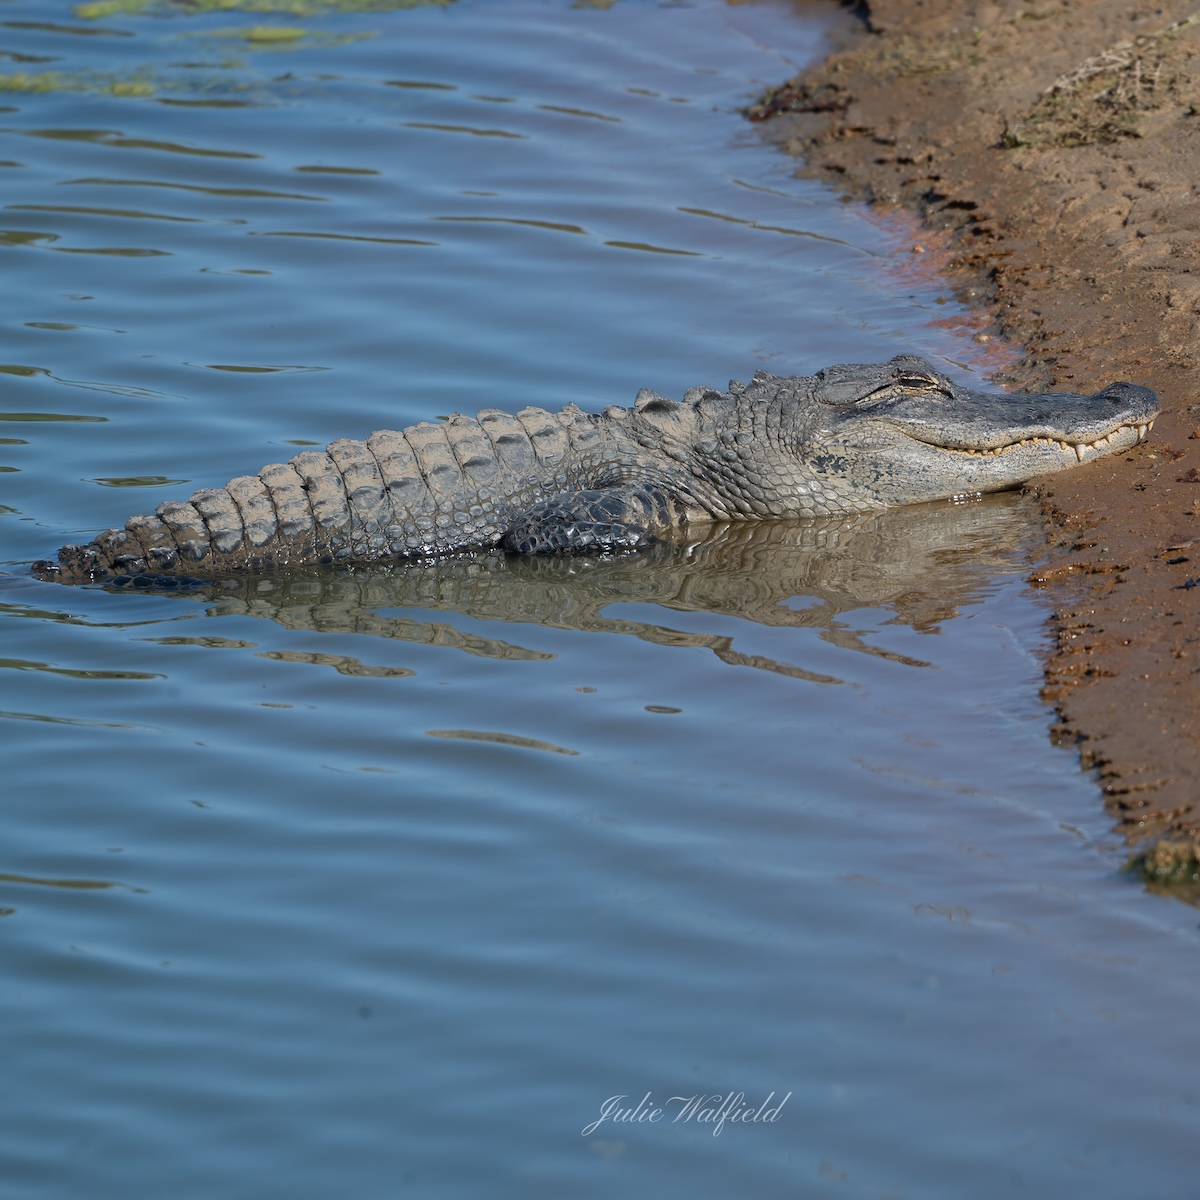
(274, 33)
(262, 34)
(99, 9)
(280, 37)
(63, 81)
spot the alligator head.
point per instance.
(903, 432)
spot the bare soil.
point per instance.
(1054, 148)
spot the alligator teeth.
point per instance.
(1144, 429)
(1078, 448)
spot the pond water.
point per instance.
(383, 884)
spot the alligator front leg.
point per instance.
(595, 520)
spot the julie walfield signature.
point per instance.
(713, 1110)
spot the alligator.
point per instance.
(851, 438)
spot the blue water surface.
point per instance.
(383, 884)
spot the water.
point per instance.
(383, 884)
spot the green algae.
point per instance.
(274, 33)
(99, 9)
(262, 33)
(281, 37)
(24, 81)
(65, 81)
(108, 8)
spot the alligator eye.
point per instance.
(898, 388)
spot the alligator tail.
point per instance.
(426, 490)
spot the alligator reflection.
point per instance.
(923, 562)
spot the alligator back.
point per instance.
(426, 490)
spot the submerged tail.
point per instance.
(426, 490)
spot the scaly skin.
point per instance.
(849, 439)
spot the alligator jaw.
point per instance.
(1104, 444)
(928, 448)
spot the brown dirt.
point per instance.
(1055, 146)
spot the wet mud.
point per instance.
(1052, 152)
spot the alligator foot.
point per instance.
(590, 522)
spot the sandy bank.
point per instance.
(1056, 146)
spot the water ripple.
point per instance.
(502, 739)
(557, 226)
(139, 481)
(422, 85)
(72, 30)
(340, 237)
(496, 133)
(343, 664)
(21, 664)
(113, 137)
(26, 237)
(805, 233)
(577, 112)
(56, 719)
(84, 885)
(244, 193)
(252, 370)
(37, 416)
(88, 210)
(115, 251)
(649, 249)
(320, 169)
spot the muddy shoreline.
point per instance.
(1052, 151)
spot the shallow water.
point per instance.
(383, 883)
